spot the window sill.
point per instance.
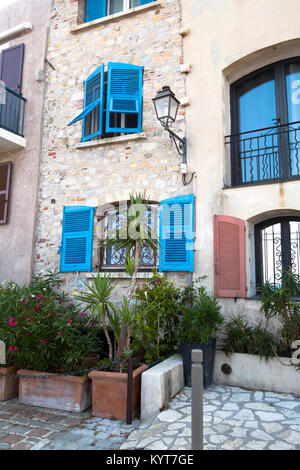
(112, 140)
(115, 17)
(120, 275)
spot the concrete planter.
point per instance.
(9, 387)
(66, 393)
(109, 392)
(160, 384)
(249, 371)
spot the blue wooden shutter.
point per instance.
(176, 227)
(124, 94)
(143, 2)
(92, 114)
(77, 239)
(95, 9)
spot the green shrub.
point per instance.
(42, 328)
(157, 319)
(240, 337)
(201, 317)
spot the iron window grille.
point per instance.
(111, 259)
(277, 248)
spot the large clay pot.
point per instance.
(66, 393)
(109, 390)
(9, 387)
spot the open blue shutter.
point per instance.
(95, 9)
(92, 114)
(176, 234)
(143, 2)
(77, 239)
(124, 94)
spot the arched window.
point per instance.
(265, 122)
(277, 248)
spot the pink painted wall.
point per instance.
(17, 236)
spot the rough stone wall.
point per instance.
(105, 173)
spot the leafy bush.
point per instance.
(201, 317)
(240, 337)
(42, 329)
(157, 319)
(278, 301)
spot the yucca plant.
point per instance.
(97, 299)
(133, 234)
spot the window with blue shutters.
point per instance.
(77, 239)
(96, 9)
(92, 114)
(176, 234)
(113, 102)
(124, 98)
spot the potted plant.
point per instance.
(199, 324)
(47, 334)
(109, 387)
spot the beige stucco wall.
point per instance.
(17, 236)
(227, 40)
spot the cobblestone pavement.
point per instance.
(234, 418)
(25, 427)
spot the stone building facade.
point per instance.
(102, 171)
(23, 46)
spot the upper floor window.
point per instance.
(12, 103)
(265, 118)
(96, 9)
(113, 102)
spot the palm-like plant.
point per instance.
(133, 234)
(97, 298)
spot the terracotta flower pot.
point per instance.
(109, 392)
(66, 393)
(9, 387)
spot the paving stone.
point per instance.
(289, 404)
(18, 429)
(256, 445)
(265, 416)
(259, 434)
(217, 438)
(245, 415)
(170, 416)
(3, 424)
(259, 406)
(240, 397)
(4, 446)
(232, 444)
(258, 396)
(280, 446)
(272, 427)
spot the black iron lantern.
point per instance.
(166, 106)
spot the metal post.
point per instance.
(197, 399)
(129, 391)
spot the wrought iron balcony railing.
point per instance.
(265, 155)
(12, 112)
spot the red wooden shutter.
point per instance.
(5, 170)
(11, 67)
(229, 256)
